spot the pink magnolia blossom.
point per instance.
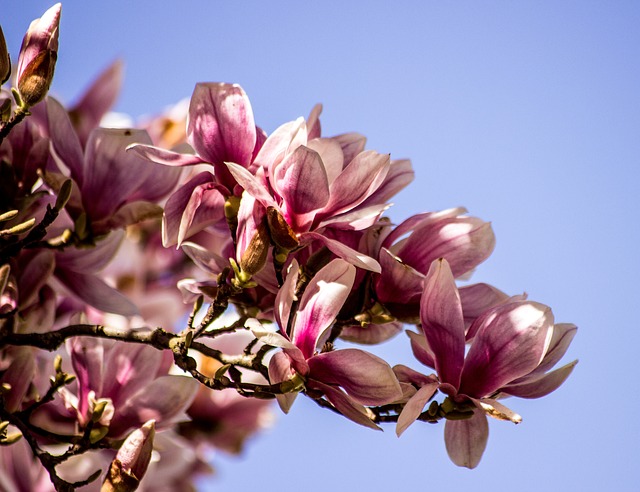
(348, 378)
(113, 188)
(513, 345)
(220, 128)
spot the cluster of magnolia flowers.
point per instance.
(161, 285)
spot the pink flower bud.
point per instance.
(5, 60)
(132, 460)
(38, 56)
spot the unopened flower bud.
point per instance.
(132, 460)
(5, 60)
(281, 232)
(255, 256)
(38, 55)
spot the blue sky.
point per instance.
(527, 113)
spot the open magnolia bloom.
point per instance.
(512, 345)
(348, 378)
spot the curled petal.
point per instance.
(163, 156)
(301, 180)
(345, 405)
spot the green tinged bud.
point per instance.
(5, 60)
(36, 78)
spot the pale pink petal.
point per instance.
(466, 440)
(41, 35)
(280, 370)
(175, 206)
(352, 144)
(364, 376)
(251, 185)
(286, 296)
(420, 220)
(164, 400)
(301, 180)
(205, 259)
(342, 251)
(442, 322)
(288, 136)
(320, 304)
(510, 343)
(477, 298)
(357, 182)
(407, 375)
(313, 122)
(413, 408)
(163, 156)
(331, 155)
(563, 334)
(354, 220)
(220, 126)
(205, 207)
(400, 175)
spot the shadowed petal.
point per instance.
(64, 139)
(164, 156)
(541, 385)
(442, 322)
(466, 440)
(364, 376)
(398, 282)
(301, 180)
(345, 405)
(510, 343)
(413, 408)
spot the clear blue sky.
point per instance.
(527, 113)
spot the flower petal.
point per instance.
(320, 304)
(343, 251)
(466, 440)
(364, 376)
(541, 385)
(221, 125)
(413, 408)
(510, 343)
(345, 405)
(442, 322)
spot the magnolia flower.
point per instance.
(220, 128)
(38, 55)
(113, 188)
(512, 346)
(348, 378)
